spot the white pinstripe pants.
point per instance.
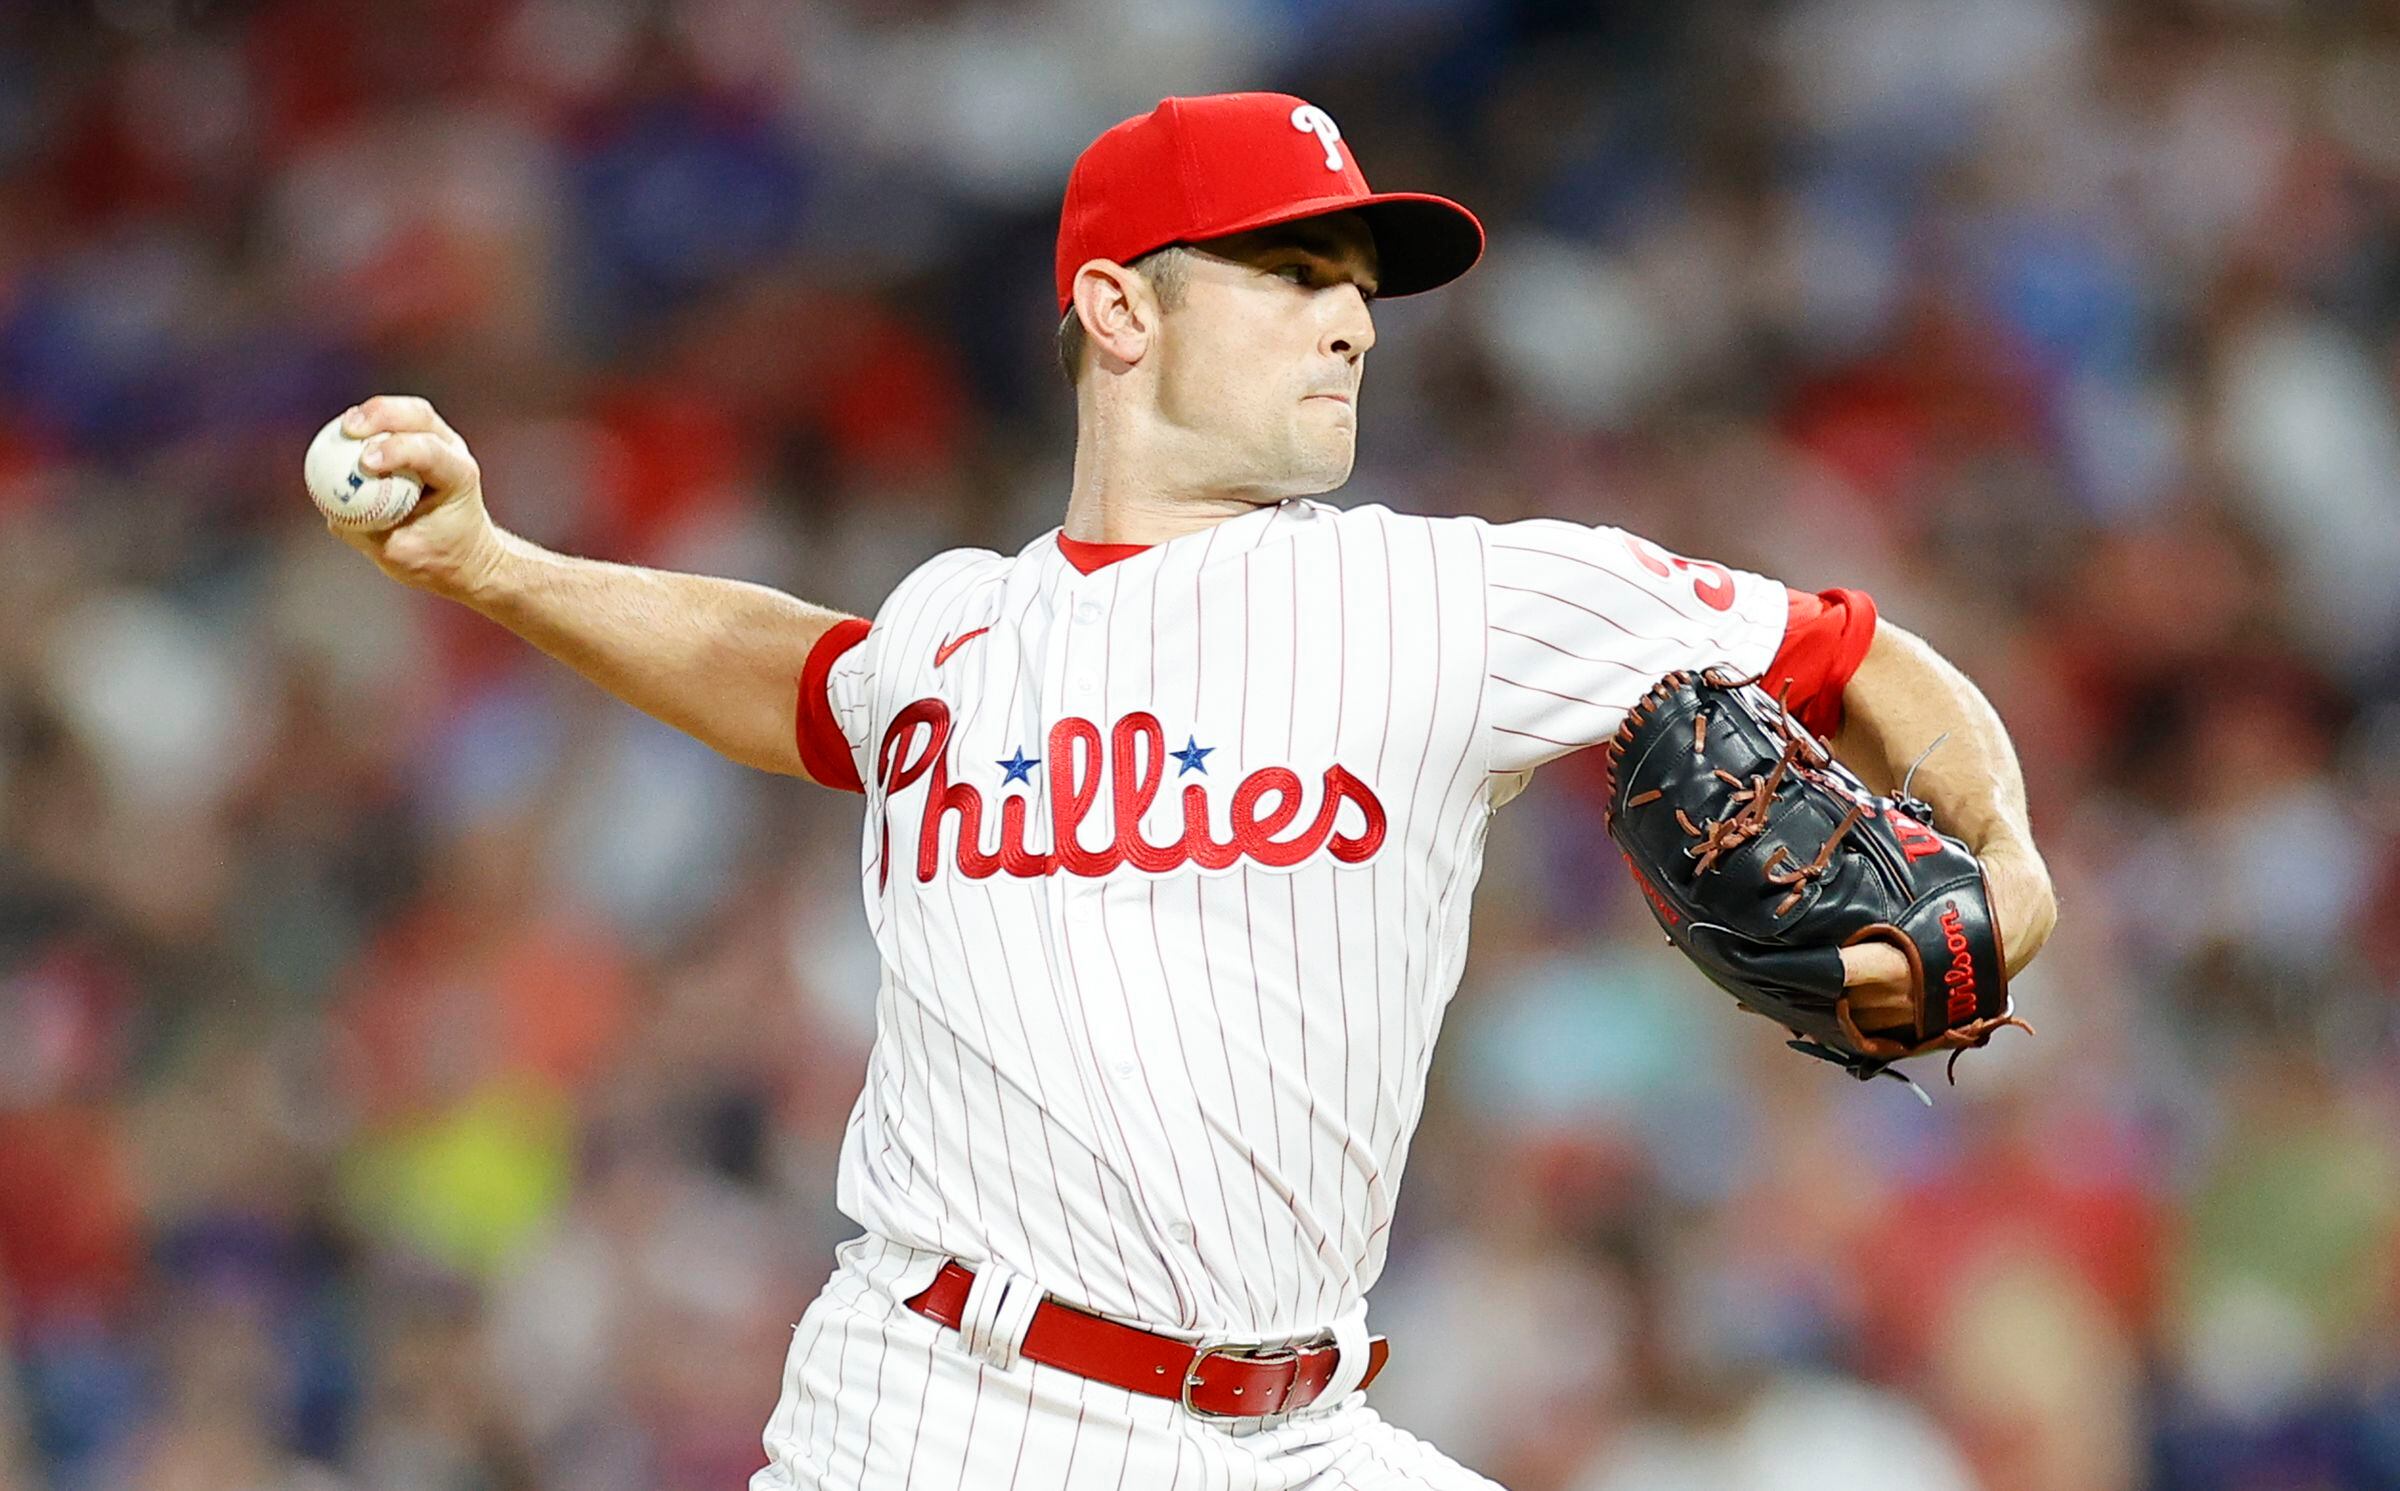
(878, 1398)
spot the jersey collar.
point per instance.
(1232, 536)
(1088, 557)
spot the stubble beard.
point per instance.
(1323, 462)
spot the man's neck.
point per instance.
(1119, 498)
(1102, 517)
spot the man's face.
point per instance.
(1260, 363)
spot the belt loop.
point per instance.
(999, 1311)
(1350, 1368)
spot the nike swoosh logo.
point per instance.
(942, 653)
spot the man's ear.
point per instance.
(1119, 312)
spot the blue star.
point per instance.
(1018, 767)
(1194, 756)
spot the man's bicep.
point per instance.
(830, 703)
(1583, 620)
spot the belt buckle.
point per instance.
(1268, 1357)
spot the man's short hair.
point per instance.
(1169, 272)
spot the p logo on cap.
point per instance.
(1200, 168)
(1309, 119)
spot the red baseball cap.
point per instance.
(1196, 168)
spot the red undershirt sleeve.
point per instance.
(824, 751)
(1824, 639)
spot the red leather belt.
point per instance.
(1217, 1381)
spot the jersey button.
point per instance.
(1088, 612)
(1085, 683)
(1125, 1071)
(1181, 1232)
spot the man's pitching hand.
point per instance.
(449, 543)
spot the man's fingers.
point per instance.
(1876, 976)
(392, 412)
(436, 460)
(1873, 963)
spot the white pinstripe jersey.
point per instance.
(1170, 865)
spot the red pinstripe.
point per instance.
(1607, 662)
(966, 1458)
(1200, 919)
(1545, 739)
(866, 1454)
(1024, 1433)
(1553, 693)
(1133, 1022)
(1383, 740)
(916, 1438)
(1599, 616)
(1291, 891)
(1058, 1189)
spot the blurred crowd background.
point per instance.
(420, 1073)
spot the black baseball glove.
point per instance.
(1763, 857)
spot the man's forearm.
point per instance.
(1904, 697)
(717, 659)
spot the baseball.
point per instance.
(351, 497)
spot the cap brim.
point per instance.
(1422, 242)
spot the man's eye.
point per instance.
(1298, 274)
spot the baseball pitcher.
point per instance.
(1173, 819)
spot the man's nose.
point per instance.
(1352, 329)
